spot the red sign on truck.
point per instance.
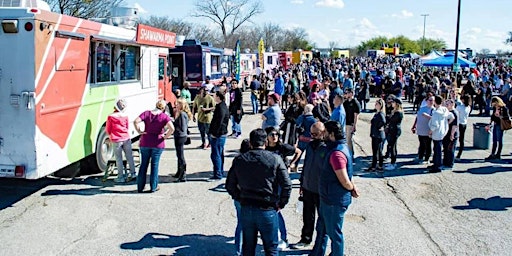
(154, 36)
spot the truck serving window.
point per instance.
(128, 66)
(103, 62)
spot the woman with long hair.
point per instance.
(463, 108)
(157, 128)
(499, 111)
(377, 134)
(394, 131)
(450, 138)
(181, 118)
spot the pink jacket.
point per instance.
(117, 127)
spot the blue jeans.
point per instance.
(497, 140)
(437, 154)
(236, 127)
(254, 102)
(147, 155)
(255, 219)
(217, 155)
(282, 227)
(204, 128)
(238, 229)
(329, 224)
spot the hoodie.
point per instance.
(438, 124)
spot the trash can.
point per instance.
(481, 137)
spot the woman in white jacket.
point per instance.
(438, 125)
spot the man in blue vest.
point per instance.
(336, 190)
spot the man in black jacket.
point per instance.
(218, 132)
(235, 108)
(259, 180)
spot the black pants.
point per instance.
(462, 132)
(425, 148)
(377, 144)
(392, 139)
(179, 144)
(311, 202)
(448, 151)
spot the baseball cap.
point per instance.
(275, 96)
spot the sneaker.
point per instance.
(282, 245)
(120, 180)
(300, 245)
(491, 157)
(380, 169)
(390, 167)
(131, 177)
(371, 169)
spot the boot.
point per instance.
(183, 173)
(178, 173)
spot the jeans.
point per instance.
(311, 202)
(497, 140)
(238, 229)
(217, 156)
(179, 144)
(425, 148)
(462, 133)
(392, 140)
(283, 234)
(348, 133)
(449, 152)
(437, 154)
(255, 219)
(204, 128)
(147, 155)
(119, 147)
(236, 127)
(254, 102)
(329, 225)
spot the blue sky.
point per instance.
(348, 22)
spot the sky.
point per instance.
(483, 24)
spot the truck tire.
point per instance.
(104, 152)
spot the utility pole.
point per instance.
(456, 65)
(424, 24)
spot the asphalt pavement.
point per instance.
(464, 211)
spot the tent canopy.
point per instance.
(411, 55)
(447, 61)
(432, 55)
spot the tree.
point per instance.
(84, 9)
(229, 15)
(509, 39)
(333, 44)
(177, 26)
(406, 45)
(485, 51)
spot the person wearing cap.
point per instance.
(118, 133)
(258, 179)
(209, 86)
(272, 115)
(352, 109)
(394, 130)
(203, 105)
(338, 113)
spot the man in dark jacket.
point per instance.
(315, 153)
(235, 108)
(218, 132)
(259, 180)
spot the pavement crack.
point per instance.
(91, 228)
(397, 196)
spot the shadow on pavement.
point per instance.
(485, 170)
(495, 203)
(14, 190)
(190, 245)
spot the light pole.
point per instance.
(423, 41)
(456, 65)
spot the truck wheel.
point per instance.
(104, 151)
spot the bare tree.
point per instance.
(84, 9)
(333, 44)
(177, 26)
(204, 33)
(509, 39)
(229, 15)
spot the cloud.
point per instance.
(366, 24)
(404, 14)
(331, 3)
(139, 8)
(296, 2)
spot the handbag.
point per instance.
(505, 124)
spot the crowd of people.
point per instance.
(321, 102)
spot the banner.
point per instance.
(237, 60)
(261, 50)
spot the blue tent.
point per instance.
(447, 61)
